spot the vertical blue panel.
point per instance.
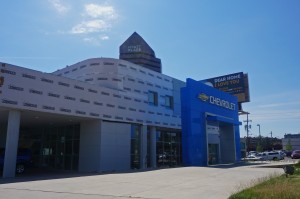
(237, 143)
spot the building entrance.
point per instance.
(213, 154)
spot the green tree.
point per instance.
(259, 148)
(289, 147)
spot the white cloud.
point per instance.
(96, 11)
(277, 107)
(280, 105)
(93, 19)
(97, 18)
(59, 6)
(90, 27)
(105, 37)
(96, 40)
(89, 39)
(276, 115)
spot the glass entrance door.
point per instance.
(213, 154)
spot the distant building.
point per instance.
(294, 140)
(136, 50)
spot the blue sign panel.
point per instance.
(201, 103)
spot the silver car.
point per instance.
(271, 155)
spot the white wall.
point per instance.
(115, 146)
(90, 146)
(104, 146)
(114, 103)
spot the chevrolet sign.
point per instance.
(217, 101)
(203, 97)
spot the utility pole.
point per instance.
(272, 141)
(247, 130)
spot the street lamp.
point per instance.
(260, 143)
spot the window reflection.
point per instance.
(168, 147)
(52, 147)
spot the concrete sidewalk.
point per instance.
(185, 182)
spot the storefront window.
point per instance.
(135, 146)
(52, 147)
(168, 147)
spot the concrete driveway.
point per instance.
(186, 182)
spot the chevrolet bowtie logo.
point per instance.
(203, 97)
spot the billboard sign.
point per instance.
(234, 84)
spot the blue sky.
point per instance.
(194, 39)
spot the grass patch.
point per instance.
(279, 187)
(297, 165)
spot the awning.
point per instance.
(223, 119)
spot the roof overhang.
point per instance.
(223, 119)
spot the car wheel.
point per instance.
(20, 168)
(275, 158)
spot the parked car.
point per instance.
(295, 154)
(271, 155)
(251, 153)
(287, 153)
(282, 153)
(261, 156)
(24, 159)
(253, 158)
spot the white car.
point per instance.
(253, 158)
(271, 155)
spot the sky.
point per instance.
(194, 39)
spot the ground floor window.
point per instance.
(135, 151)
(52, 147)
(168, 148)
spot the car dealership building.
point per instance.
(107, 115)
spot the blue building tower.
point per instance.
(210, 125)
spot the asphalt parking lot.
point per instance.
(184, 182)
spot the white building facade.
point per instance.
(98, 115)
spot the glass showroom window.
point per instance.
(168, 148)
(169, 102)
(135, 146)
(152, 98)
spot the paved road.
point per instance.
(185, 182)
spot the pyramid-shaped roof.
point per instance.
(136, 50)
(136, 44)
